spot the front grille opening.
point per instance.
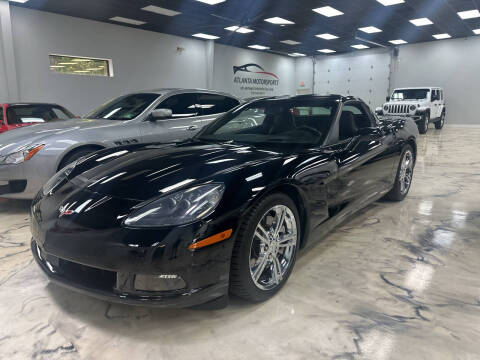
(88, 276)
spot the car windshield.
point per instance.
(36, 113)
(275, 121)
(410, 94)
(124, 108)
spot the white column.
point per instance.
(8, 69)
(210, 52)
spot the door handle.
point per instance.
(192, 127)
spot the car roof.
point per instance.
(172, 91)
(418, 87)
(30, 103)
(312, 97)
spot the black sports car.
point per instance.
(225, 212)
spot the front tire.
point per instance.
(265, 249)
(423, 124)
(404, 177)
(439, 124)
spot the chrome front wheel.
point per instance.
(406, 172)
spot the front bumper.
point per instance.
(23, 181)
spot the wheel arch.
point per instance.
(69, 152)
(411, 141)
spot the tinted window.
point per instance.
(183, 105)
(22, 114)
(353, 117)
(410, 94)
(215, 104)
(124, 108)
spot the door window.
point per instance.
(353, 117)
(215, 104)
(182, 105)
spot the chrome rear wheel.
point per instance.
(406, 172)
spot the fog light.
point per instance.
(163, 282)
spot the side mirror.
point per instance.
(370, 131)
(388, 98)
(159, 114)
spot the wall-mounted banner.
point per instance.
(252, 79)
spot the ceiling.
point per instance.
(198, 17)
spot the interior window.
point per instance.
(215, 104)
(182, 105)
(353, 117)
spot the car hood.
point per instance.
(145, 172)
(45, 132)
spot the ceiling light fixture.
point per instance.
(296, 54)
(476, 31)
(211, 2)
(240, 30)
(442, 36)
(370, 29)
(327, 36)
(421, 22)
(390, 2)
(279, 21)
(328, 11)
(398, 42)
(161, 10)
(327, 51)
(19, 1)
(127, 20)
(470, 14)
(360, 47)
(290, 42)
(258, 47)
(206, 36)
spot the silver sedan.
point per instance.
(31, 155)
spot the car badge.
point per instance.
(64, 210)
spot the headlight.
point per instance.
(21, 155)
(179, 208)
(58, 179)
(385, 108)
(412, 107)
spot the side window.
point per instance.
(215, 104)
(182, 105)
(353, 117)
(434, 95)
(1, 116)
(60, 114)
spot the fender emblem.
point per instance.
(64, 210)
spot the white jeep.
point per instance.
(423, 104)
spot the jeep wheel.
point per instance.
(439, 124)
(423, 125)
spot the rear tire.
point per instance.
(403, 179)
(423, 124)
(75, 155)
(264, 254)
(439, 124)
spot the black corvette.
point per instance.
(225, 212)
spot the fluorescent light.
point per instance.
(240, 30)
(19, 1)
(370, 29)
(81, 71)
(421, 22)
(398, 42)
(290, 42)
(258, 47)
(476, 31)
(470, 14)
(161, 10)
(360, 47)
(296, 54)
(390, 2)
(327, 51)
(328, 11)
(327, 36)
(67, 63)
(279, 21)
(127, 20)
(81, 60)
(442, 36)
(206, 36)
(211, 2)
(56, 66)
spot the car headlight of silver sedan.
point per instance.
(179, 208)
(21, 155)
(58, 179)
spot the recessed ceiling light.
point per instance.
(360, 47)
(397, 42)
(328, 11)
(421, 22)
(290, 42)
(327, 51)
(390, 2)
(441, 36)
(470, 14)
(206, 36)
(279, 21)
(238, 29)
(259, 47)
(160, 10)
(296, 54)
(370, 29)
(127, 20)
(476, 31)
(211, 2)
(327, 36)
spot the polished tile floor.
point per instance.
(400, 281)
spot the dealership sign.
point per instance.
(253, 78)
